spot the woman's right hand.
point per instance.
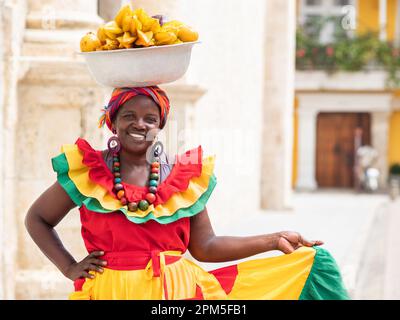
(289, 241)
(90, 263)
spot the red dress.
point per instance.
(144, 249)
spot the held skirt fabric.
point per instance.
(144, 249)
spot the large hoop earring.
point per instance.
(154, 152)
(158, 149)
(114, 145)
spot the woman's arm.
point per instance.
(44, 214)
(205, 246)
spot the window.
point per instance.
(313, 2)
(342, 2)
(325, 17)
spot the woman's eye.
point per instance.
(151, 120)
(128, 116)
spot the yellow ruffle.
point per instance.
(79, 174)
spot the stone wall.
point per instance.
(12, 21)
(56, 101)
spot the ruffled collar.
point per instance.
(186, 167)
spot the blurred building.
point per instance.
(330, 106)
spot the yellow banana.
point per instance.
(89, 42)
(124, 11)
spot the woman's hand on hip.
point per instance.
(289, 241)
(90, 263)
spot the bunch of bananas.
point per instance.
(136, 29)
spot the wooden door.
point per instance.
(335, 147)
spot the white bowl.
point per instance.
(139, 67)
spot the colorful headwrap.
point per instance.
(121, 95)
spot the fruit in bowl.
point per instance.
(136, 29)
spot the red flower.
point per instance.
(330, 51)
(301, 53)
(395, 52)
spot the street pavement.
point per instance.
(379, 274)
(342, 219)
(392, 258)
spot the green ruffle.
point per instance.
(324, 281)
(60, 166)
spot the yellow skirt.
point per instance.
(307, 273)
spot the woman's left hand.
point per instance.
(289, 241)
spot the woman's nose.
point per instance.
(140, 124)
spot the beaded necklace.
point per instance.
(119, 189)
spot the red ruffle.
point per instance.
(186, 167)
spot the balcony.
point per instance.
(321, 80)
(349, 61)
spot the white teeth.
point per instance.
(137, 136)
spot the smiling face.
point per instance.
(136, 123)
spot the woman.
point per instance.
(136, 228)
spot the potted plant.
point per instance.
(394, 180)
(394, 171)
